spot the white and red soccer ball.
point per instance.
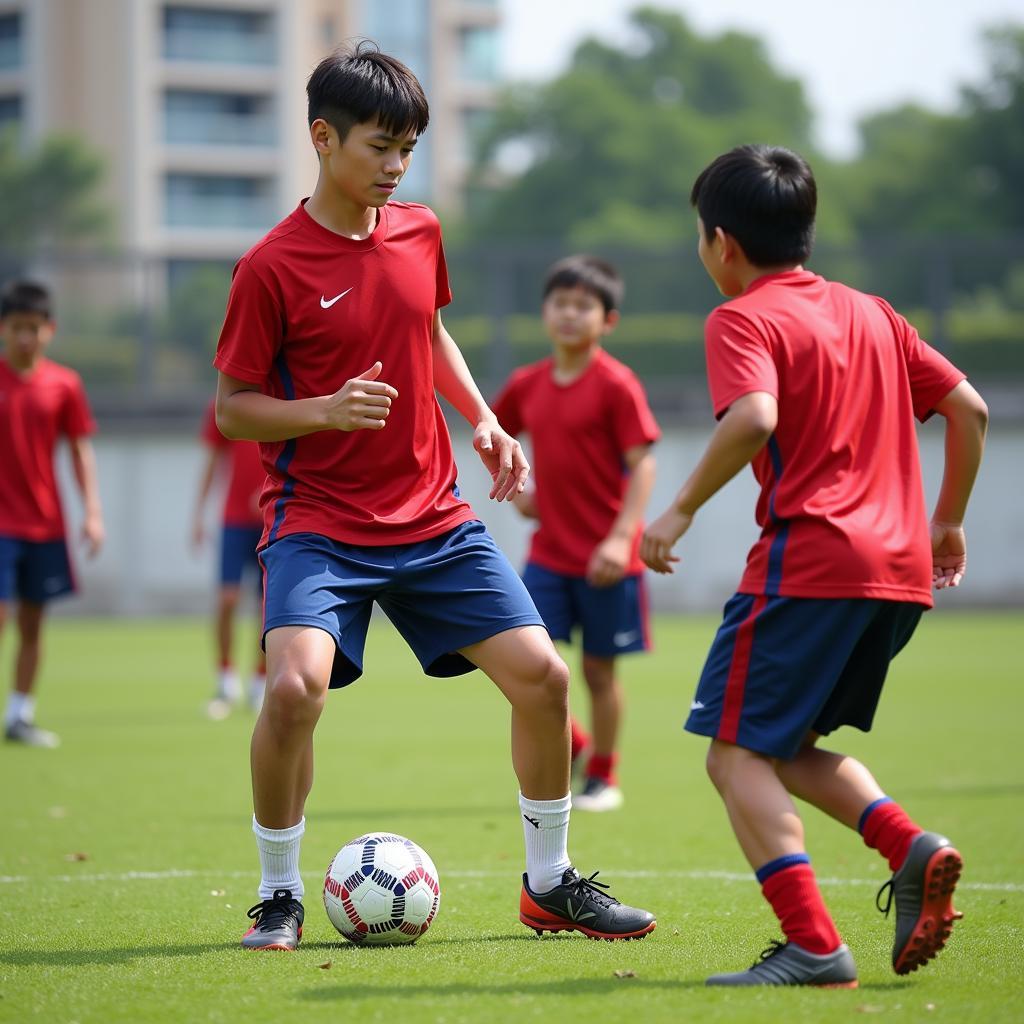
(381, 889)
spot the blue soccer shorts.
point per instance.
(34, 571)
(613, 620)
(238, 546)
(442, 594)
(782, 667)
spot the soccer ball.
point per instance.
(381, 889)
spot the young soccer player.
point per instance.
(817, 385)
(40, 402)
(330, 355)
(584, 568)
(241, 529)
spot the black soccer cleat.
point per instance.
(579, 905)
(785, 963)
(278, 923)
(922, 890)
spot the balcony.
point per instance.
(218, 119)
(214, 203)
(11, 55)
(219, 36)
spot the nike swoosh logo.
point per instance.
(326, 303)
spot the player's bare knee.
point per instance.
(547, 686)
(293, 698)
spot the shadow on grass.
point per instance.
(84, 957)
(389, 813)
(561, 987)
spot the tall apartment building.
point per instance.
(199, 108)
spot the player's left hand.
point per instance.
(660, 537)
(503, 456)
(93, 535)
(609, 561)
(949, 554)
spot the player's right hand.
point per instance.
(949, 554)
(363, 403)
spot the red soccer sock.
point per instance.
(887, 828)
(602, 766)
(580, 738)
(794, 896)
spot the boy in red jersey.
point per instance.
(241, 529)
(330, 354)
(817, 386)
(40, 402)
(584, 568)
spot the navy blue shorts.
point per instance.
(781, 667)
(238, 552)
(613, 619)
(34, 571)
(442, 594)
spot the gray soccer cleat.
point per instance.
(785, 963)
(278, 923)
(922, 890)
(20, 731)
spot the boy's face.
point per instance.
(367, 167)
(25, 337)
(714, 253)
(576, 317)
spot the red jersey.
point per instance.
(36, 410)
(579, 432)
(310, 309)
(842, 508)
(245, 473)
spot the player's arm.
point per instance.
(610, 558)
(206, 477)
(526, 502)
(83, 462)
(501, 454)
(245, 413)
(741, 433)
(966, 416)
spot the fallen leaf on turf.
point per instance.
(625, 974)
(869, 1009)
(929, 1006)
(325, 966)
(76, 856)
(216, 892)
(58, 812)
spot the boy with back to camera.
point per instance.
(817, 386)
(240, 533)
(330, 355)
(40, 402)
(591, 430)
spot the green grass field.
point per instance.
(127, 864)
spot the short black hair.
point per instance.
(26, 297)
(590, 273)
(765, 197)
(358, 84)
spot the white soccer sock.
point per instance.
(229, 687)
(21, 707)
(546, 830)
(279, 858)
(257, 690)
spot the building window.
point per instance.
(222, 35)
(218, 201)
(10, 113)
(475, 125)
(10, 40)
(478, 54)
(192, 117)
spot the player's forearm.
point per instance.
(453, 380)
(739, 436)
(635, 498)
(83, 462)
(966, 426)
(206, 481)
(253, 416)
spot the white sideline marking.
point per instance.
(719, 876)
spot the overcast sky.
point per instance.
(853, 57)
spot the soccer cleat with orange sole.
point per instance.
(579, 905)
(922, 890)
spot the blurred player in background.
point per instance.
(330, 354)
(241, 529)
(40, 402)
(817, 386)
(591, 432)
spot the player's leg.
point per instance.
(258, 679)
(600, 788)
(925, 866)
(233, 555)
(525, 666)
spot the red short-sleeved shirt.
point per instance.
(842, 507)
(246, 474)
(309, 310)
(36, 410)
(579, 433)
